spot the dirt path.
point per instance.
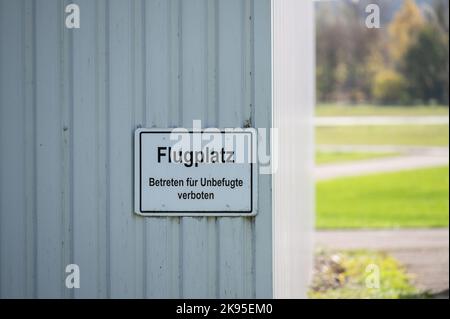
(380, 120)
(412, 158)
(424, 252)
(400, 149)
(381, 165)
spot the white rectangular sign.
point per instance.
(195, 173)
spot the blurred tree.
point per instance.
(345, 47)
(426, 67)
(400, 60)
(404, 29)
(328, 33)
(389, 87)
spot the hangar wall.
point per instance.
(70, 100)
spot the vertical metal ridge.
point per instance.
(24, 143)
(98, 107)
(211, 79)
(132, 99)
(34, 142)
(137, 57)
(101, 149)
(248, 121)
(262, 106)
(108, 146)
(170, 61)
(216, 61)
(144, 61)
(253, 124)
(143, 122)
(215, 101)
(211, 40)
(218, 260)
(175, 224)
(180, 258)
(180, 123)
(63, 152)
(216, 124)
(246, 62)
(29, 114)
(65, 97)
(71, 152)
(252, 64)
(180, 62)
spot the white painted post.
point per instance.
(293, 107)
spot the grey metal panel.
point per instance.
(12, 206)
(51, 156)
(261, 117)
(194, 249)
(86, 149)
(235, 235)
(69, 103)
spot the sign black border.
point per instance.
(197, 212)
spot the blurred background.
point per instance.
(382, 136)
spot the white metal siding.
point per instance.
(70, 101)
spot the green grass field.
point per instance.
(418, 198)
(425, 135)
(371, 110)
(339, 157)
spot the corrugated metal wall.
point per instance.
(70, 101)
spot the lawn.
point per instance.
(344, 275)
(424, 135)
(338, 157)
(371, 110)
(417, 198)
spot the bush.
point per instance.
(425, 66)
(390, 87)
